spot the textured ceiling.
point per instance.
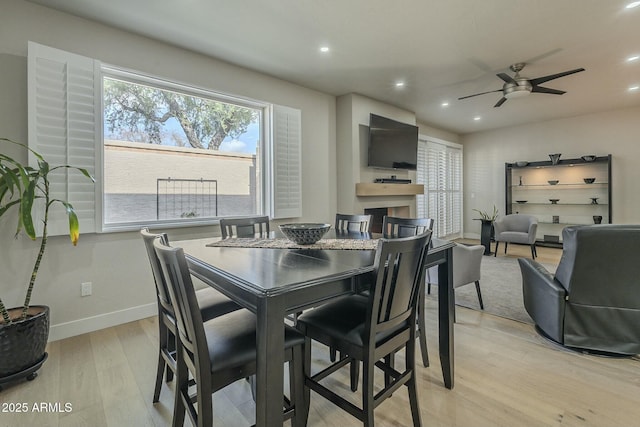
(441, 49)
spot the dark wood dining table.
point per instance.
(275, 282)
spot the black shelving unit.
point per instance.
(558, 195)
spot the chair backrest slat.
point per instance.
(162, 291)
(353, 223)
(394, 227)
(188, 317)
(257, 226)
(398, 270)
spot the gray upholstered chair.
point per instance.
(593, 301)
(516, 228)
(466, 268)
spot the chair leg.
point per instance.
(422, 330)
(332, 354)
(367, 392)
(159, 376)
(181, 391)
(354, 373)
(534, 251)
(306, 368)
(297, 393)
(495, 254)
(412, 385)
(506, 244)
(479, 294)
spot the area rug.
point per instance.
(501, 287)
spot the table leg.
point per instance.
(445, 317)
(270, 363)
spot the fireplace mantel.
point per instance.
(367, 189)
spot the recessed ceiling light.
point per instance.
(399, 84)
(633, 4)
(634, 88)
(476, 118)
(324, 49)
(633, 58)
(445, 104)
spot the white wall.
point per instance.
(352, 141)
(116, 263)
(614, 132)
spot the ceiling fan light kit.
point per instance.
(518, 86)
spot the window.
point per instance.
(173, 153)
(440, 170)
(162, 153)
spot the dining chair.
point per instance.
(257, 226)
(357, 223)
(372, 329)
(211, 304)
(467, 261)
(220, 351)
(392, 228)
(516, 228)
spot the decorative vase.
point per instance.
(556, 219)
(594, 200)
(23, 343)
(597, 219)
(555, 158)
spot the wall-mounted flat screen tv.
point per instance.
(392, 144)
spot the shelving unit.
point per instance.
(530, 190)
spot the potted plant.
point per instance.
(24, 331)
(486, 229)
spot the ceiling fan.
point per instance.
(517, 86)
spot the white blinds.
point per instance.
(287, 162)
(62, 101)
(440, 170)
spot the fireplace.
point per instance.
(378, 214)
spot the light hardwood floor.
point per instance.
(506, 375)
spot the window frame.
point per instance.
(134, 77)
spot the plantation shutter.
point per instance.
(440, 170)
(287, 163)
(62, 111)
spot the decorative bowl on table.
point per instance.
(554, 201)
(589, 158)
(589, 180)
(522, 164)
(521, 201)
(305, 233)
(553, 182)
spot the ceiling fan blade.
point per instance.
(540, 89)
(499, 103)
(507, 78)
(481, 93)
(535, 82)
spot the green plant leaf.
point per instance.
(28, 196)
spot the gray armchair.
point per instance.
(593, 301)
(466, 268)
(516, 228)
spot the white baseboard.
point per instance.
(107, 320)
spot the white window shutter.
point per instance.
(63, 93)
(440, 170)
(286, 194)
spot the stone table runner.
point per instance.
(282, 243)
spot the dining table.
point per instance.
(275, 281)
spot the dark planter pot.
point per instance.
(23, 343)
(486, 235)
